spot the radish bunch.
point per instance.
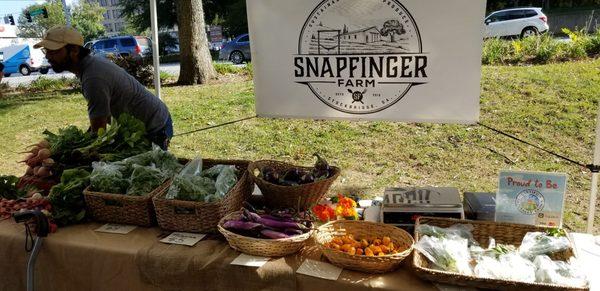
(38, 161)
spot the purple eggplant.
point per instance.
(273, 234)
(241, 225)
(293, 232)
(249, 215)
(280, 224)
(272, 217)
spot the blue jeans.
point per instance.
(162, 138)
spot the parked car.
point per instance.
(122, 45)
(23, 59)
(237, 50)
(521, 22)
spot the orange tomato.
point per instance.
(377, 242)
(386, 240)
(369, 252)
(384, 249)
(346, 247)
(352, 251)
(381, 254)
(364, 243)
(359, 252)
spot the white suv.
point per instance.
(521, 22)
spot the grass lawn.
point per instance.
(553, 105)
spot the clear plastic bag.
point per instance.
(539, 243)
(226, 179)
(558, 272)
(510, 266)
(457, 230)
(107, 178)
(448, 254)
(145, 179)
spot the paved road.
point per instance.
(18, 79)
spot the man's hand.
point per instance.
(99, 122)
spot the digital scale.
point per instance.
(402, 206)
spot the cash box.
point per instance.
(402, 206)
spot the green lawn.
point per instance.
(553, 105)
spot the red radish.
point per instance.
(43, 154)
(29, 171)
(44, 144)
(49, 162)
(36, 170)
(43, 172)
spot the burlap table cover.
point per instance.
(78, 258)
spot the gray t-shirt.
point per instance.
(111, 91)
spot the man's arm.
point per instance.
(98, 122)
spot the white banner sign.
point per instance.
(401, 60)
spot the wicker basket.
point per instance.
(504, 233)
(124, 209)
(261, 247)
(300, 197)
(361, 229)
(193, 216)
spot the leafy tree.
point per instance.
(392, 27)
(39, 25)
(87, 19)
(230, 14)
(137, 13)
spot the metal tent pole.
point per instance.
(594, 193)
(155, 57)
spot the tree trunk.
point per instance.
(196, 63)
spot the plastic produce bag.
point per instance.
(226, 179)
(539, 243)
(558, 272)
(145, 179)
(448, 254)
(510, 266)
(457, 230)
(108, 178)
(184, 181)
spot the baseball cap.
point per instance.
(59, 36)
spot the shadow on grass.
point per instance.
(12, 100)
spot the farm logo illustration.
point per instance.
(530, 201)
(360, 56)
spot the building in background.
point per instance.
(571, 14)
(113, 22)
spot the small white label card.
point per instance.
(320, 270)
(183, 238)
(116, 228)
(250, 261)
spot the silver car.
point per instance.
(237, 50)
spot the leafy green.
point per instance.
(66, 198)
(108, 178)
(137, 175)
(124, 138)
(144, 179)
(208, 185)
(556, 232)
(67, 139)
(191, 188)
(8, 188)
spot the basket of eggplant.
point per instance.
(274, 234)
(285, 185)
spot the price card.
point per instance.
(116, 228)
(183, 238)
(320, 270)
(250, 261)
